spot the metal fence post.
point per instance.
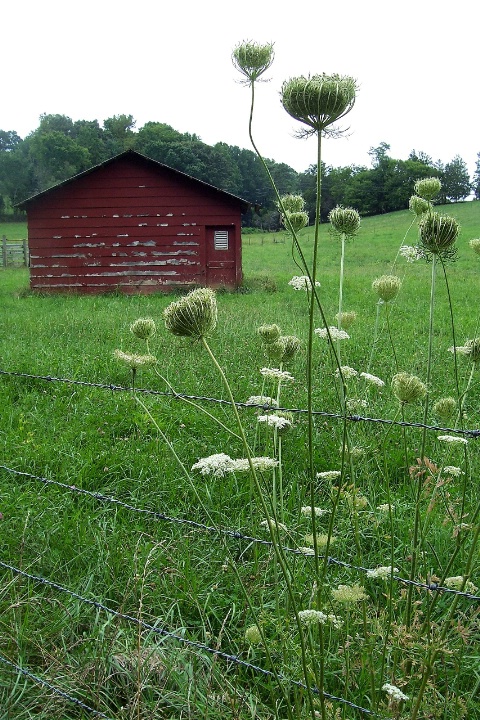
(4, 251)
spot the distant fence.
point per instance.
(14, 253)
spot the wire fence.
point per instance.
(236, 535)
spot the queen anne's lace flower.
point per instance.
(259, 463)
(275, 421)
(134, 361)
(335, 333)
(456, 582)
(347, 372)
(329, 475)
(452, 470)
(276, 374)
(453, 439)
(349, 594)
(383, 572)
(217, 465)
(307, 510)
(263, 400)
(373, 379)
(302, 282)
(395, 693)
(410, 253)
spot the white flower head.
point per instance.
(273, 525)
(276, 421)
(217, 465)
(259, 463)
(383, 572)
(394, 692)
(453, 439)
(307, 510)
(262, 400)
(410, 253)
(385, 507)
(335, 333)
(347, 372)
(373, 379)
(312, 617)
(302, 282)
(456, 582)
(355, 403)
(453, 470)
(276, 374)
(329, 475)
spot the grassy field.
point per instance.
(205, 587)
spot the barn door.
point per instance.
(220, 243)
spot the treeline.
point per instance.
(60, 148)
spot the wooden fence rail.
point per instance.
(14, 253)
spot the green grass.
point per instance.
(183, 579)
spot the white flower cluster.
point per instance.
(395, 693)
(347, 372)
(275, 421)
(456, 582)
(460, 349)
(307, 510)
(386, 507)
(302, 282)
(335, 333)
(410, 253)
(276, 374)
(220, 464)
(383, 572)
(355, 403)
(262, 400)
(373, 379)
(453, 439)
(329, 475)
(452, 470)
(312, 617)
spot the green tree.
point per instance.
(9, 140)
(456, 180)
(476, 178)
(119, 133)
(56, 157)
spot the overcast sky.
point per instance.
(416, 62)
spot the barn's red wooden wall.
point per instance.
(134, 225)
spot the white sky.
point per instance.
(416, 62)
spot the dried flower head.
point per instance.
(134, 361)
(253, 635)
(346, 318)
(408, 388)
(269, 333)
(349, 594)
(345, 221)
(302, 282)
(252, 59)
(387, 287)
(194, 315)
(428, 188)
(438, 234)
(475, 245)
(418, 205)
(471, 349)
(318, 100)
(143, 328)
(445, 408)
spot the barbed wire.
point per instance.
(471, 433)
(235, 534)
(27, 673)
(235, 659)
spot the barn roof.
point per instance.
(244, 204)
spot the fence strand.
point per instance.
(235, 534)
(235, 659)
(471, 433)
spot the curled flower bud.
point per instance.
(269, 333)
(445, 408)
(295, 220)
(475, 245)
(319, 100)
(291, 204)
(387, 287)
(344, 220)
(291, 345)
(252, 59)
(418, 205)
(428, 188)
(408, 388)
(346, 319)
(143, 328)
(194, 315)
(438, 233)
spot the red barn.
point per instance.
(135, 225)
